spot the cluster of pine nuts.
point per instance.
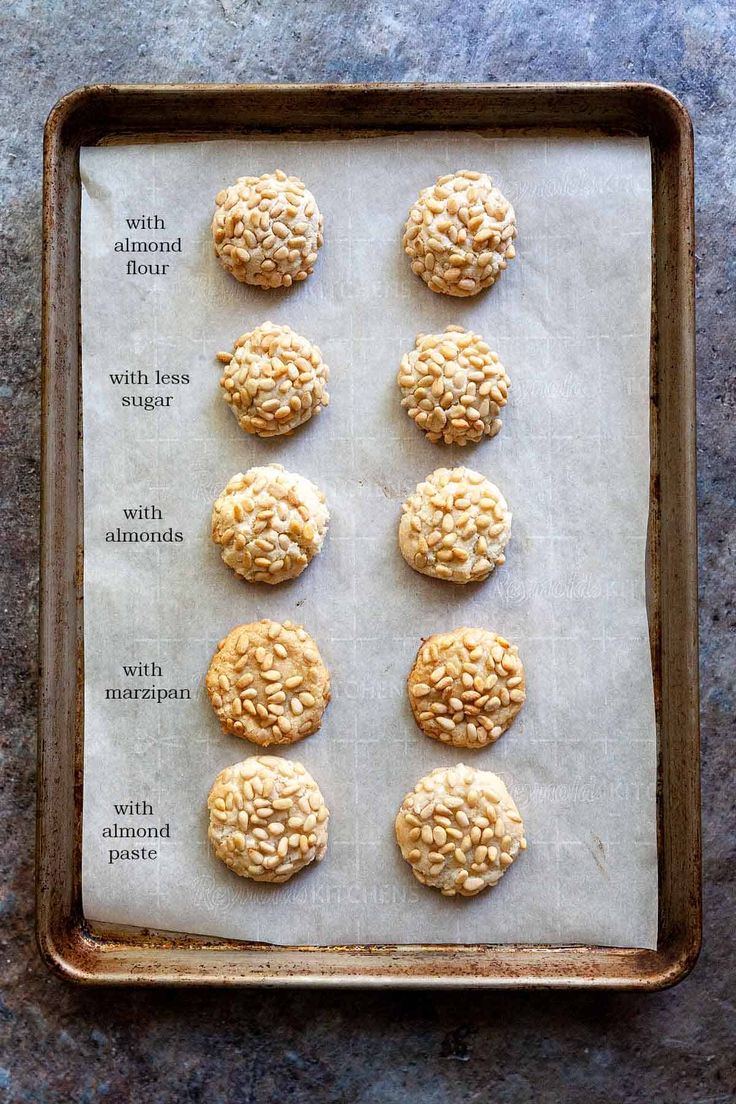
(460, 234)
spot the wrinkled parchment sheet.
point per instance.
(570, 321)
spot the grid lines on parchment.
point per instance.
(345, 546)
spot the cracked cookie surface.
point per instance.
(459, 830)
(453, 386)
(460, 234)
(268, 683)
(269, 524)
(274, 380)
(466, 687)
(455, 526)
(267, 230)
(268, 818)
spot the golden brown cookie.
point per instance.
(267, 230)
(267, 682)
(268, 819)
(466, 687)
(453, 386)
(455, 526)
(460, 234)
(459, 830)
(269, 524)
(274, 380)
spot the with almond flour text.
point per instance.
(147, 246)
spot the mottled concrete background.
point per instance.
(58, 1043)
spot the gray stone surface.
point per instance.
(58, 1043)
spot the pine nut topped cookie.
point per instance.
(269, 524)
(460, 234)
(268, 819)
(453, 386)
(267, 230)
(459, 830)
(466, 687)
(274, 380)
(268, 683)
(455, 526)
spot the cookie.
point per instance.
(269, 524)
(268, 683)
(268, 819)
(466, 687)
(460, 234)
(459, 830)
(455, 526)
(453, 386)
(267, 230)
(274, 380)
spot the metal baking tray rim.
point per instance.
(98, 113)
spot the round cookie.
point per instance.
(455, 526)
(460, 234)
(269, 524)
(267, 230)
(274, 380)
(466, 687)
(453, 386)
(268, 819)
(268, 683)
(459, 830)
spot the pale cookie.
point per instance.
(268, 819)
(466, 687)
(274, 380)
(453, 386)
(267, 230)
(459, 830)
(268, 683)
(455, 526)
(460, 234)
(269, 524)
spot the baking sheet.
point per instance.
(570, 321)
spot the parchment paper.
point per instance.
(570, 321)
